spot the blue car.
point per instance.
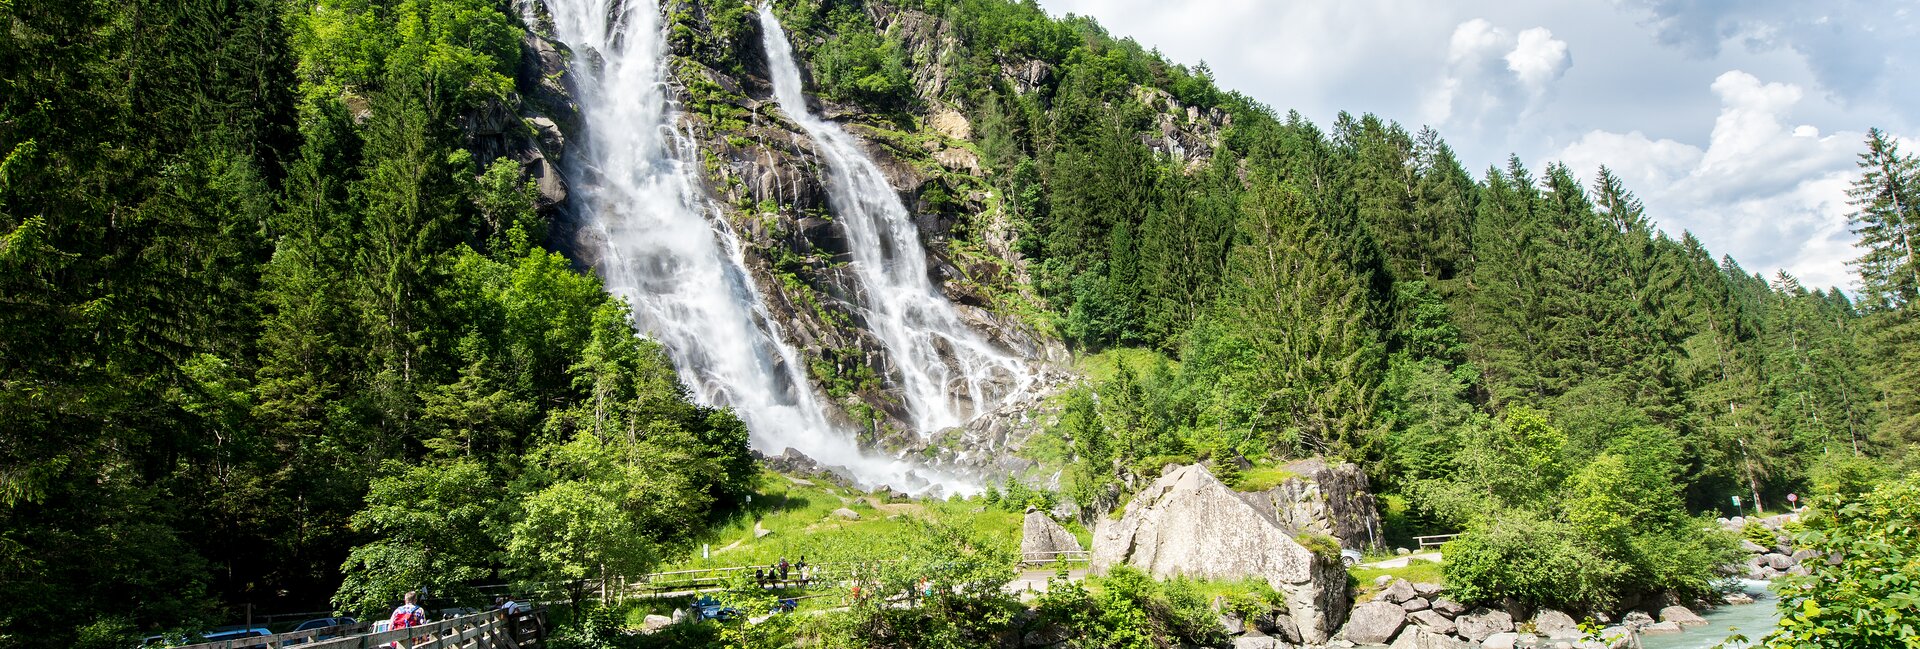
(324, 622)
(708, 608)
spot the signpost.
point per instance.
(1736, 505)
(1792, 500)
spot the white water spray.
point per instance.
(949, 373)
(666, 248)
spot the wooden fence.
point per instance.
(1433, 541)
(485, 630)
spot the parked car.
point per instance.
(708, 608)
(322, 623)
(216, 635)
(1350, 557)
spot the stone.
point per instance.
(1637, 620)
(1416, 604)
(846, 514)
(679, 615)
(1431, 621)
(1042, 540)
(1401, 552)
(1256, 642)
(1661, 627)
(1046, 636)
(1801, 556)
(1506, 640)
(654, 623)
(1188, 523)
(1779, 561)
(1739, 598)
(1752, 548)
(1682, 616)
(1615, 637)
(1555, 624)
(1483, 622)
(1427, 589)
(1383, 580)
(1374, 622)
(1398, 591)
(1419, 638)
(1449, 607)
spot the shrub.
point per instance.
(1325, 546)
(1541, 561)
(1759, 534)
(1871, 598)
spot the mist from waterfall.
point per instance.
(948, 372)
(663, 245)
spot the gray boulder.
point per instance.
(846, 514)
(1682, 616)
(1637, 620)
(1661, 627)
(1419, 638)
(1374, 622)
(1188, 523)
(1257, 642)
(1449, 607)
(1483, 622)
(1431, 621)
(654, 623)
(1043, 540)
(1398, 591)
(1507, 640)
(1555, 624)
(1427, 589)
(1752, 548)
(1416, 604)
(1779, 561)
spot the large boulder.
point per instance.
(1431, 621)
(1419, 638)
(1374, 622)
(1555, 624)
(1331, 500)
(1398, 591)
(1682, 616)
(1483, 622)
(1188, 523)
(1043, 540)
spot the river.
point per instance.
(1752, 620)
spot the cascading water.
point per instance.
(948, 373)
(662, 245)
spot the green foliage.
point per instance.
(1260, 478)
(431, 525)
(948, 586)
(1130, 610)
(1326, 547)
(1869, 598)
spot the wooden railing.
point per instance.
(1433, 541)
(486, 630)
(1056, 556)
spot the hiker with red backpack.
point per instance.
(410, 614)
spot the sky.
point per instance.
(1737, 120)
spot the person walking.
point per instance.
(783, 570)
(408, 614)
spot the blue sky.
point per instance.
(1738, 121)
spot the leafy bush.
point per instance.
(1759, 534)
(1531, 559)
(1326, 546)
(1130, 611)
(1871, 598)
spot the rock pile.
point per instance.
(1406, 615)
(1770, 560)
(1044, 541)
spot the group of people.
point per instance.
(780, 573)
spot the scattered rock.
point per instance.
(679, 615)
(1431, 621)
(1042, 540)
(1637, 620)
(1739, 598)
(1427, 589)
(1416, 604)
(1383, 580)
(1188, 523)
(1483, 622)
(1232, 624)
(1779, 561)
(1046, 636)
(1555, 624)
(1374, 622)
(1398, 591)
(1682, 616)
(1257, 642)
(1449, 607)
(655, 623)
(1752, 548)
(846, 514)
(1402, 552)
(1419, 638)
(1661, 627)
(1505, 640)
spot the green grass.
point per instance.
(801, 523)
(1100, 368)
(1416, 570)
(1262, 478)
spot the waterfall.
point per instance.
(660, 243)
(948, 373)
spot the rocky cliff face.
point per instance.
(1330, 500)
(1189, 523)
(530, 126)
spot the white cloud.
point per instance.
(1771, 195)
(1537, 58)
(1494, 76)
